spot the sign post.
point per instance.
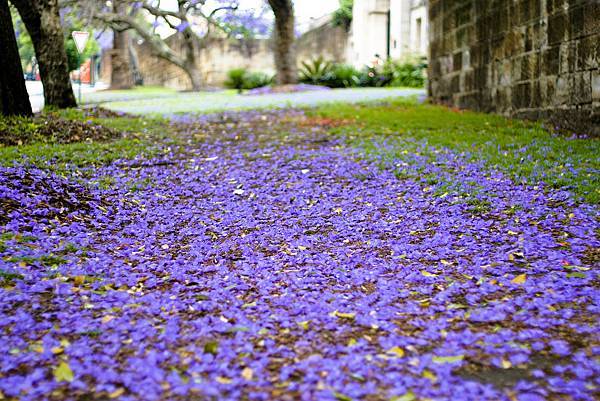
(80, 38)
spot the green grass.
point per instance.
(139, 92)
(143, 132)
(523, 150)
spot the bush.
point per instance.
(313, 72)
(240, 78)
(342, 76)
(254, 80)
(409, 72)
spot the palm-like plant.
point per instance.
(313, 71)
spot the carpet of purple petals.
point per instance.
(268, 266)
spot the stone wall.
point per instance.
(535, 59)
(215, 58)
(219, 55)
(327, 41)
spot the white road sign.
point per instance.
(80, 38)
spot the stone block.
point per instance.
(558, 28)
(576, 22)
(521, 95)
(554, 6)
(457, 61)
(530, 66)
(596, 87)
(567, 58)
(581, 88)
(588, 51)
(550, 60)
(561, 93)
(591, 16)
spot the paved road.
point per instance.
(217, 101)
(36, 92)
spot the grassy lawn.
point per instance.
(524, 150)
(137, 93)
(393, 131)
(140, 136)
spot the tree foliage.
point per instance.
(343, 15)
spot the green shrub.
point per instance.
(257, 80)
(313, 72)
(235, 79)
(240, 78)
(342, 76)
(410, 72)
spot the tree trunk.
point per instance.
(189, 64)
(14, 99)
(42, 20)
(121, 76)
(195, 76)
(283, 34)
(138, 79)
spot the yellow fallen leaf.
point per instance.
(304, 324)
(37, 348)
(396, 351)
(343, 315)
(427, 274)
(107, 318)
(63, 373)
(506, 364)
(223, 380)
(57, 350)
(247, 373)
(429, 375)
(117, 393)
(445, 262)
(520, 279)
(351, 342)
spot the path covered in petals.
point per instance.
(275, 262)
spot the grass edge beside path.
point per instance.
(524, 150)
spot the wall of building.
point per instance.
(407, 35)
(369, 31)
(534, 59)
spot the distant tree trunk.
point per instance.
(189, 63)
(285, 52)
(135, 63)
(14, 99)
(42, 20)
(121, 76)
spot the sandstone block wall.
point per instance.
(535, 59)
(219, 55)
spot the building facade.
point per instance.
(384, 29)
